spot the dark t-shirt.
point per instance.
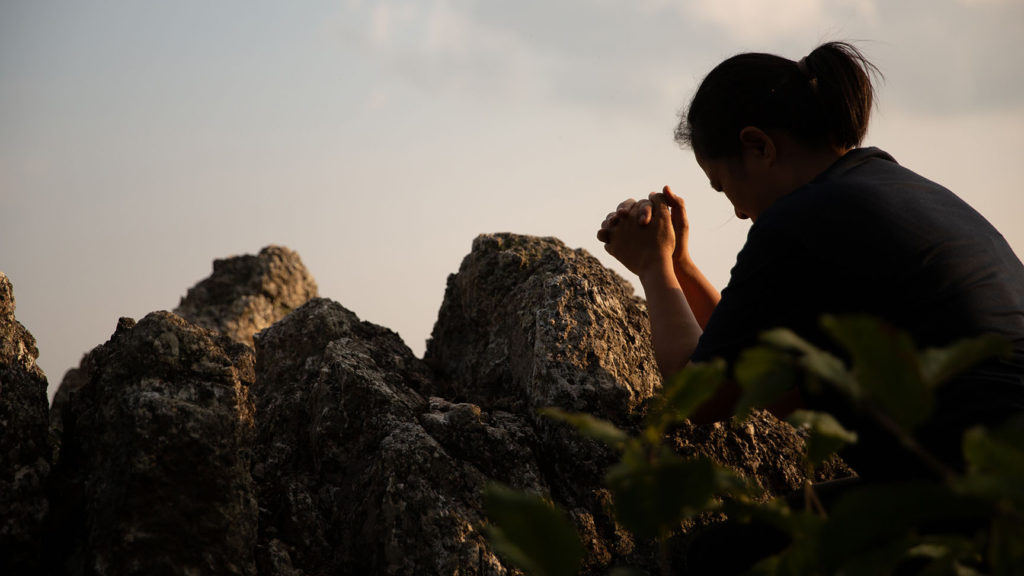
(868, 236)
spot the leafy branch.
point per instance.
(968, 522)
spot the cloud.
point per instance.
(636, 58)
(438, 47)
(990, 2)
(759, 21)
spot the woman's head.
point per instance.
(823, 100)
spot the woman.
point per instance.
(836, 229)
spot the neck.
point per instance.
(806, 163)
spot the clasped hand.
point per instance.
(646, 235)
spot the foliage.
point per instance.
(966, 523)
(531, 533)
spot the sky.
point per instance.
(141, 140)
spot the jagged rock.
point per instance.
(153, 474)
(24, 446)
(528, 321)
(762, 448)
(351, 481)
(364, 459)
(246, 294)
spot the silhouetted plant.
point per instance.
(967, 523)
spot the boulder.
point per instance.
(528, 323)
(25, 452)
(153, 473)
(246, 294)
(350, 480)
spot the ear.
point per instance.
(759, 143)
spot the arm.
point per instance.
(702, 296)
(644, 241)
(674, 328)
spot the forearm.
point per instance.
(701, 296)
(674, 328)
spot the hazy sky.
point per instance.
(141, 140)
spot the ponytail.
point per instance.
(824, 99)
(841, 77)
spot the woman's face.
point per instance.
(735, 178)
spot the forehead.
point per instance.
(713, 168)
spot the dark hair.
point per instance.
(824, 99)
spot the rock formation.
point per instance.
(246, 294)
(531, 323)
(24, 446)
(153, 474)
(329, 448)
(350, 481)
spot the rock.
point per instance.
(350, 480)
(24, 444)
(246, 294)
(762, 448)
(153, 475)
(527, 321)
(329, 448)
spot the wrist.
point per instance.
(658, 273)
(682, 263)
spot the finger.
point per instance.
(642, 212)
(626, 205)
(677, 205)
(671, 199)
(603, 235)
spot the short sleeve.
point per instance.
(774, 283)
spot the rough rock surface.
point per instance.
(153, 473)
(24, 445)
(329, 448)
(246, 294)
(527, 321)
(350, 480)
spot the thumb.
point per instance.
(671, 199)
(677, 205)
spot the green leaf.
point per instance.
(764, 375)
(942, 554)
(815, 361)
(885, 363)
(999, 451)
(652, 498)
(590, 426)
(939, 365)
(531, 533)
(880, 523)
(685, 391)
(827, 435)
(995, 460)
